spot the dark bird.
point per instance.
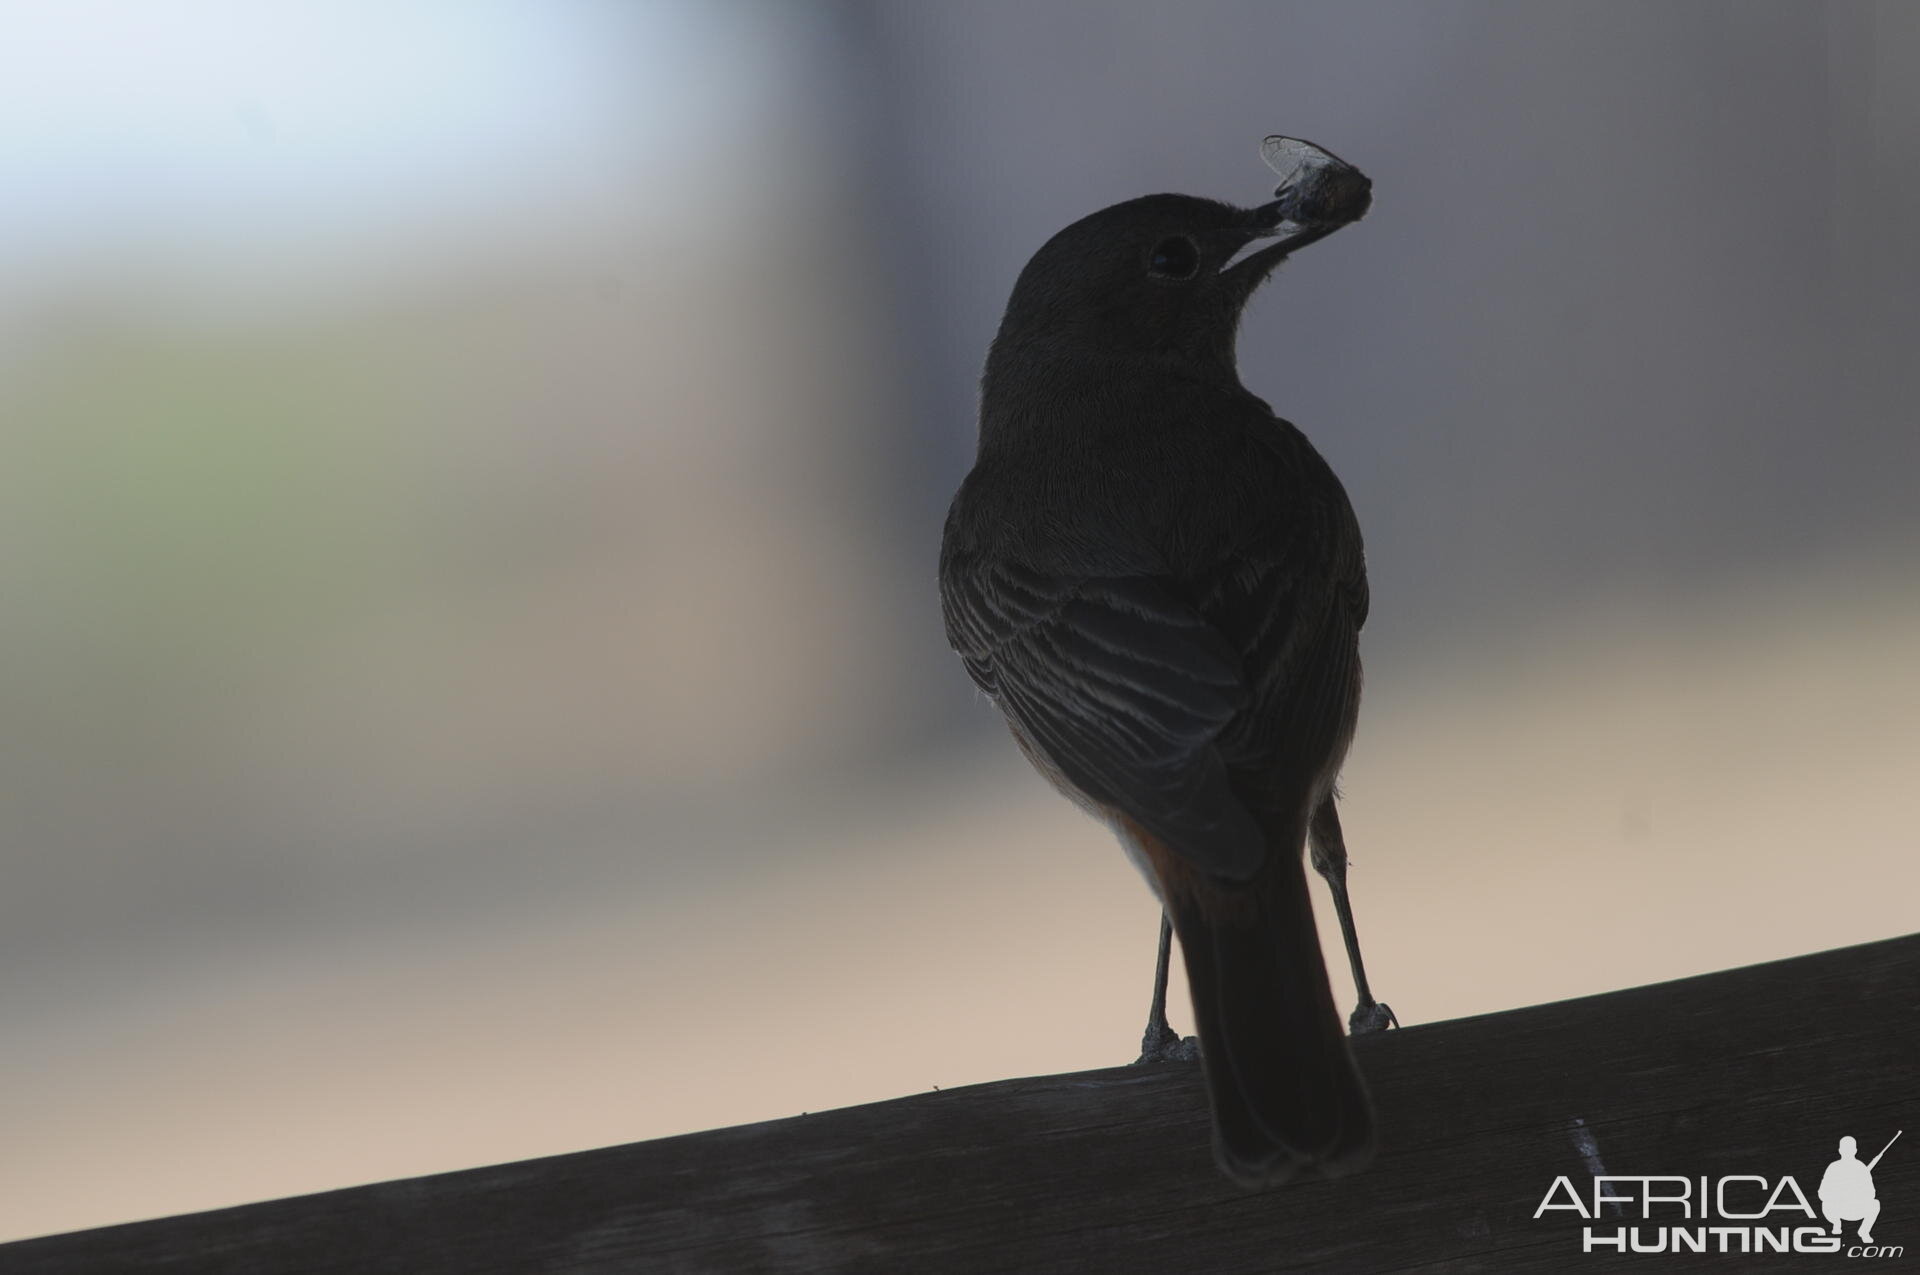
(1161, 585)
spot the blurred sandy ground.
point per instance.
(1659, 797)
(470, 678)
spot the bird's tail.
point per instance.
(1286, 1093)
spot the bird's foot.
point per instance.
(1162, 1044)
(1371, 1017)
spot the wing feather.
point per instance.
(1122, 689)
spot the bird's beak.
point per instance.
(1300, 215)
(1256, 258)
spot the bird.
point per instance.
(1161, 585)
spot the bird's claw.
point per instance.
(1163, 1044)
(1370, 1018)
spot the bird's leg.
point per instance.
(1330, 860)
(1161, 1043)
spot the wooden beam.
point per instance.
(1751, 1071)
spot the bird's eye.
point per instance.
(1175, 258)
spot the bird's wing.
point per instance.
(1121, 688)
(1290, 597)
(1296, 634)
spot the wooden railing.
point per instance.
(1756, 1071)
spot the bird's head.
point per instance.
(1162, 277)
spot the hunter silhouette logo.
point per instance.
(1737, 1213)
(1846, 1191)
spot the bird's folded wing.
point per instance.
(1122, 688)
(1297, 632)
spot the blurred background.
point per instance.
(471, 679)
